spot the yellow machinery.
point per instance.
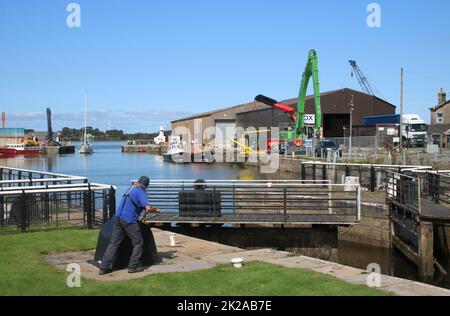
(247, 150)
(31, 141)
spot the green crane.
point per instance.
(298, 115)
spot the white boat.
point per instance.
(85, 147)
(175, 153)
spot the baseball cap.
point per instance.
(145, 181)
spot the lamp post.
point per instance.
(343, 129)
(351, 126)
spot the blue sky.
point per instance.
(145, 63)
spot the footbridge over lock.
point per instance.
(299, 202)
(302, 214)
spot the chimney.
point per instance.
(442, 97)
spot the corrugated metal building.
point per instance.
(335, 112)
(335, 115)
(202, 128)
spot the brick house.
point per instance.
(439, 129)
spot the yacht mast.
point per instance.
(85, 118)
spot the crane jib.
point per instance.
(297, 114)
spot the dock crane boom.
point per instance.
(49, 125)
(362, 79)
(297, 114)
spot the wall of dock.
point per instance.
(151, 148)
(315, 241)
(374, 228)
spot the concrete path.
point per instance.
(192, 254)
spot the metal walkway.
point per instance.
(253, 202)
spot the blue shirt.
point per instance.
(129, 213)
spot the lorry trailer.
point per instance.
(414, 128)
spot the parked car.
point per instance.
(291, 148)
(323, 146)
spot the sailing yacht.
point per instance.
(86, 147)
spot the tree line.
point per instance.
(74, 134)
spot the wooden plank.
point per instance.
(405, 249)
(426, 254)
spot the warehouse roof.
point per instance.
(310, 97)
(287, 102)
(212, 112)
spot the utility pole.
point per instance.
(401, 112)
(351, 126)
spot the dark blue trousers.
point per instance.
(120, 231)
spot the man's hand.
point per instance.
(155, 209)
(150, 208)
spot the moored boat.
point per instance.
(19, 149)
(175, 153)
(85, 147)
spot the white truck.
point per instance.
(414, 131)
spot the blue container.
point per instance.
(12, 132)
(382, 119)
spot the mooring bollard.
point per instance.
(173, 242)
(237, 262)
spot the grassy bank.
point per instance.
(23, 271)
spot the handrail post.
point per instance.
(285, 201)
(437, 188)
(214, 200)
(105, 204)
(372, 178)
(347, 170)
(419, 197)
(303, 171)
(46, 207)
(358, 203)
(112, 202)
(2, 211)
(30, 179)
(24, 212)
(88, 207)
(234, 197)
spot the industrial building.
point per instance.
(335, 114)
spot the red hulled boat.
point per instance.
(19, 149)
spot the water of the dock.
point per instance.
(191, 254)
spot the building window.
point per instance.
(439, 118)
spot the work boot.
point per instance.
(136, 270)
(105, 271)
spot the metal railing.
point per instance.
(438, 186)
(371, 176)
(33, 200)
(413, 187)
(257, 201)
(405, 190)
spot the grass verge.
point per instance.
(23, 271)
